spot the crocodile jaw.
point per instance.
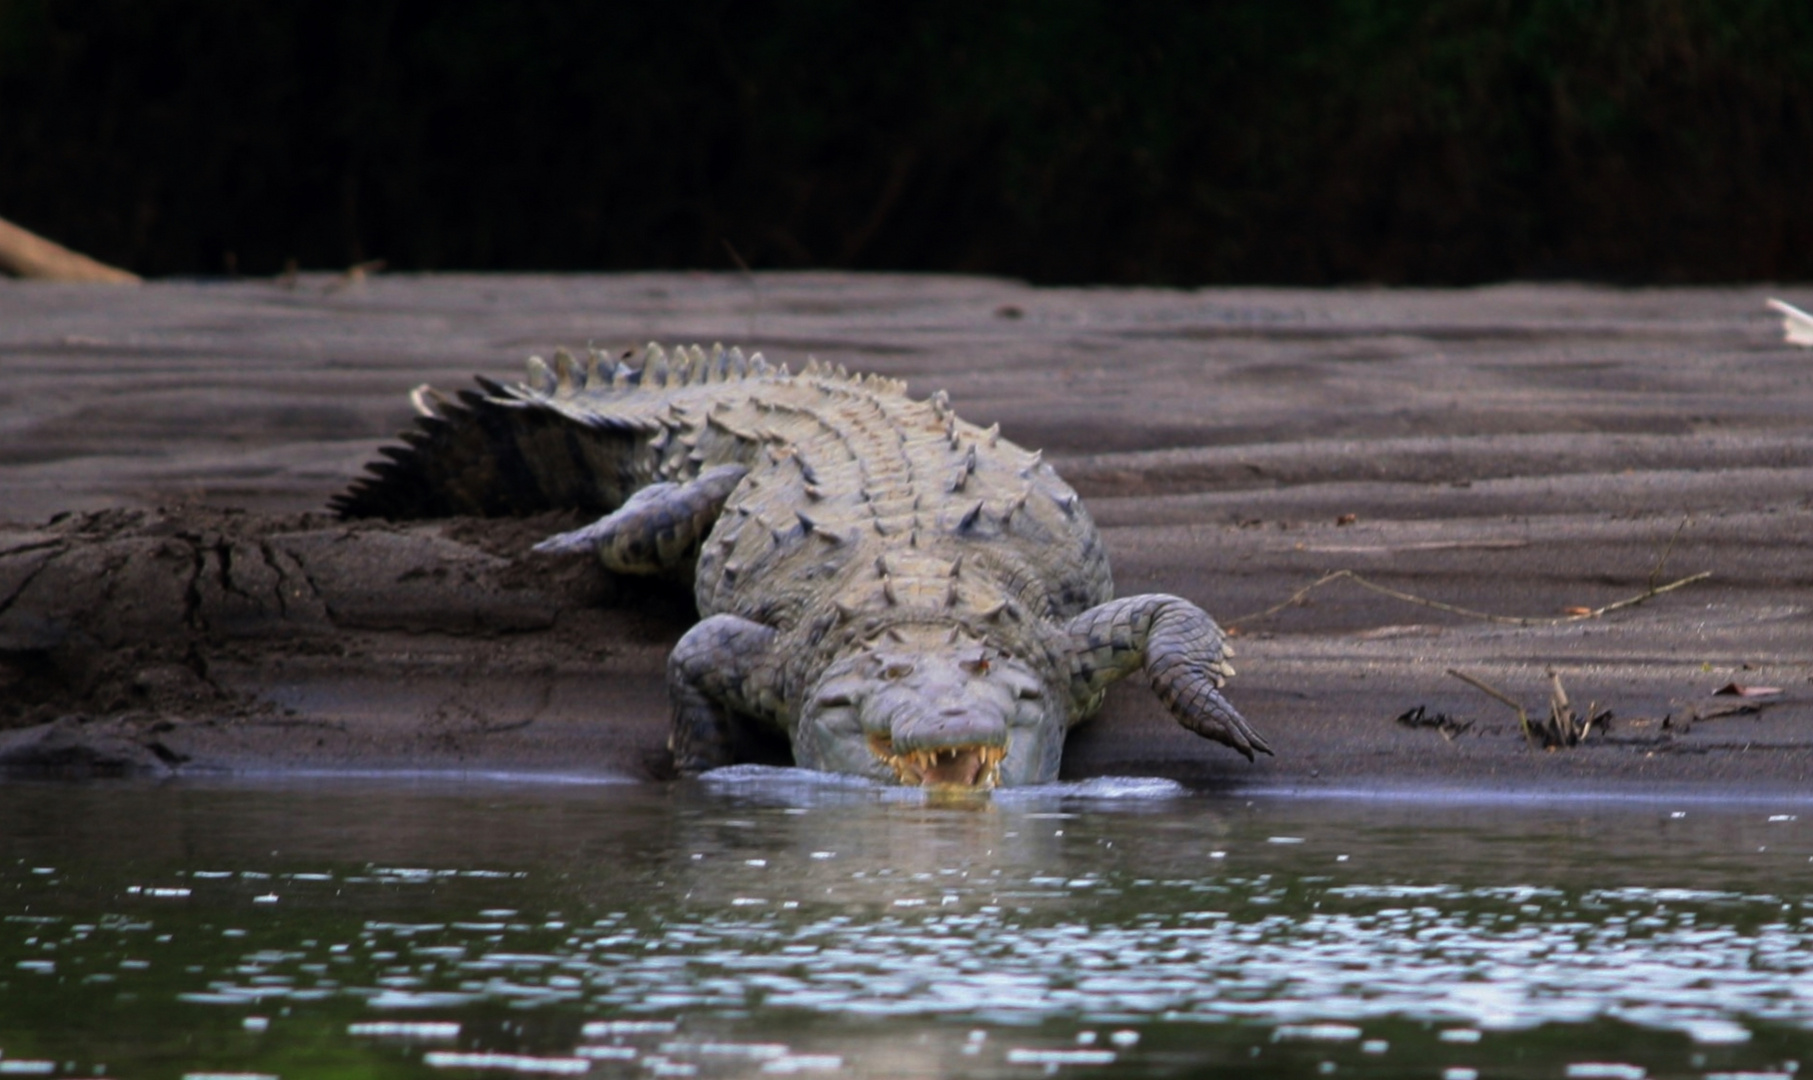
(935, 736)
(971, 768)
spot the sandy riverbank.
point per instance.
(1519, 450)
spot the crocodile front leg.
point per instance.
(659, 528)
(1184, 655)
(724, 670)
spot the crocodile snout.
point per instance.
(934, 707)
(943, 728)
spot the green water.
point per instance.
(768, 926)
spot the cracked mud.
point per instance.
(120, 627)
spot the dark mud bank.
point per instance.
(172, 598)
(138, 640)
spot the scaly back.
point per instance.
(568, 436)
(842, 470)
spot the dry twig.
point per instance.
(1511, 620)
(1523, 718)
(1564, 728)
(1662, 560)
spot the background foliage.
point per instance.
(1422, 141)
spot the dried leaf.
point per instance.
(1420, 717)
(1695, 713)
(1577, 611)
(1740, 690)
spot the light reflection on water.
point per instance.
(766, 922)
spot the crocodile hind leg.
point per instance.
(1184, 655)
(659, 528)
(723, 672)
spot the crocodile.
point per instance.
(904, 595)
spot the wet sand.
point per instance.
(173, 597)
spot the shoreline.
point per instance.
(1387, 791)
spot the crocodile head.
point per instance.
(931, 706)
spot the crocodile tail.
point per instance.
(498, 452)
(570, 436)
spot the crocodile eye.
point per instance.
(978, 666)
(834, 700)
(1029, 692)
(895, 672)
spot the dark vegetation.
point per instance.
(1434, 141)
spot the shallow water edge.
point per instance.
(766, 922)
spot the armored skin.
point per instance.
(904, 595)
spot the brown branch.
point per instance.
(28, 255)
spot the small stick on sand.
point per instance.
(1565, 728)
(1662, 560)
(1523, 718)
(28, 255)
(1510, 620)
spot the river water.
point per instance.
(767, 923)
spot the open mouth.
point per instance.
(971, 767)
